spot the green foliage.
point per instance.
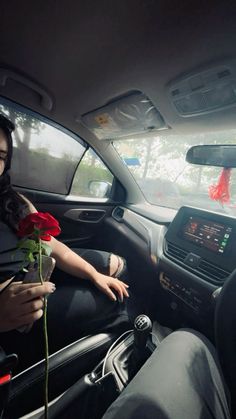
(22, 120)
(87, 173)
(31, 248)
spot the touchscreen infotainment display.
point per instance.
(209, 234)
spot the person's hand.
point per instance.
(22, 304)
(108, 284)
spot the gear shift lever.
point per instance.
(142, 330)
(127, 357)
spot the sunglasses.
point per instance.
(6, 124)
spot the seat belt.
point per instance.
(7, 363)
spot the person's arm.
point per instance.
(31, 207)
(71, 263)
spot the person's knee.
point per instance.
(117, 266)
(190, 338)
(188, 345)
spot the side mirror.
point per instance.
(99, 189)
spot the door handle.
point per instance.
(85, 215)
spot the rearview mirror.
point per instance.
(212, 155)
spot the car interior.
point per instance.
(126, 121)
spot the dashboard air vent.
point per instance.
(205, 269)
(118, 213)
(176, 252)
(212, 271)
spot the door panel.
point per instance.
(81, 223)
(124, 236)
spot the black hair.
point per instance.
(12, 205)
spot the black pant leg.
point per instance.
(181, 380)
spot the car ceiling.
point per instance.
(86, 53)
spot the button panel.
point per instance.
(192, 260)
(190, 296)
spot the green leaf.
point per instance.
(28, 244)
(31, 257)
(47, 250)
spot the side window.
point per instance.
(45, 158)
(92, 178)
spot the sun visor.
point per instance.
(128, 115)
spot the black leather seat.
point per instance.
(65, 368)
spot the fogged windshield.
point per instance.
(158, 165)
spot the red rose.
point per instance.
(39, 224)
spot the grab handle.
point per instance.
(45, 99)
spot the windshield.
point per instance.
(158, 165)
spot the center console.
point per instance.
(202, 242)
(198, 256)
(92, 394)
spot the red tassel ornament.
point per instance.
(220, 191)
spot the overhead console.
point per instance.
(203, 243)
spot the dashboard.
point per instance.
(198, 256)
(193, 255)
(203, 242)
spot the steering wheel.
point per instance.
(225, 333)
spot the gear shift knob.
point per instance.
(142, 329)
(140, 351)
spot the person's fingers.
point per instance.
(34, 292)
(15, 283)
(18, 287)
(109, 293)
(125, 292)
(31, 306)
(29, 318)
(120, 288)
(108, 284)
(123, 283)
(117, 287)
